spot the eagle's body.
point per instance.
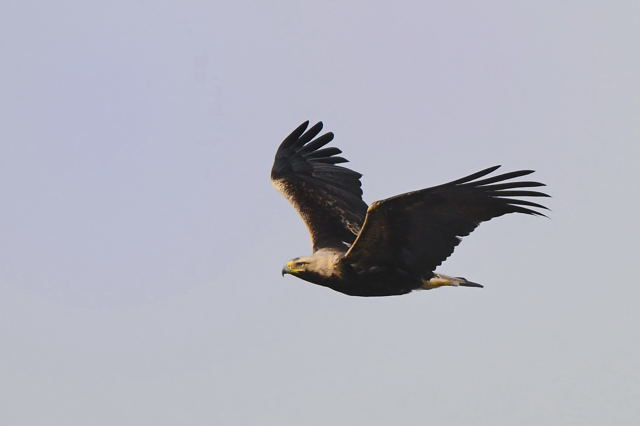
(328, 268)
(333, 272)
(393, 246)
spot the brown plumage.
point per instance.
(394, 246)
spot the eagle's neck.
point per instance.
(323, 267)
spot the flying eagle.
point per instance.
(393, 246)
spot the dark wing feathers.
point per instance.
(415, 232)
(322, 153)
(331, 160)
(328, 197)
(319, 143)
(475, 175)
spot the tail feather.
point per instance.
(440, 280)
(466, 283)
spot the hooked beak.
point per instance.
(285, 270)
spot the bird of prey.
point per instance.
(394, 246)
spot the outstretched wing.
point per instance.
(415, 232)
(328, 197)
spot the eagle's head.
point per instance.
(315, 269)
(298, 266)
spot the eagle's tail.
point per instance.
(439, 280)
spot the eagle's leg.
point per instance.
(440, 280)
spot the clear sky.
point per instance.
(142, 241)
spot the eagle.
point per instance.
(393, 246)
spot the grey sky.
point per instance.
(142, 241)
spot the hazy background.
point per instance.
(141, 240)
